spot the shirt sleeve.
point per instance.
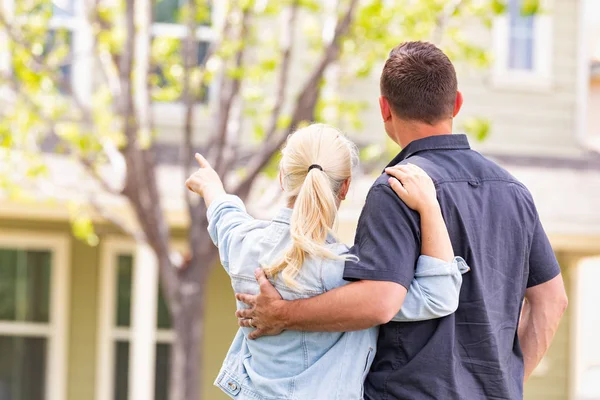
(435, 291)
(543, 264)
(225, 214)
(387, 242)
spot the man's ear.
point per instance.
(457, 103)
(384, 106)
(344, 189)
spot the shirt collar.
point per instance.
(438, 142)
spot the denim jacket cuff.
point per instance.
(431, 266)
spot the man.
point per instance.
(486, 349)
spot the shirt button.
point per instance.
(232, 386)
(474, 183)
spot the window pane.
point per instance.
(162, 371)
(166, 11)
(124, 282)
(121, 370)
(22, 368)
(58, 51)
(521, 37)
(63, 8)
(24, 285)
(167, 73)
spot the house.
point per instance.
(69, 311)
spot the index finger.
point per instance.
(202, 161)
(246, 298)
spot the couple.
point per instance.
(393, 317)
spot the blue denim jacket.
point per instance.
(308, 365)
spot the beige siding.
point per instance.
(525, 121)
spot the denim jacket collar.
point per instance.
(439, 142)
(284, 216)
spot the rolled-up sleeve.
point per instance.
(387, 242)
(435, 290)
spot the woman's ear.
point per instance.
(344, 189)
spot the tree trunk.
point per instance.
(186, 362)
(187, 316)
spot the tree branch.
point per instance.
(40, 65)
(86, 163)
(442, 20)
(189, 57)
(305, 106)
(230, 88)
(286, 57)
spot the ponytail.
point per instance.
(315, 206)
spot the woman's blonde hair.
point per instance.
(315, 163)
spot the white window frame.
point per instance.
(56, 330)
(540, 76)
(109, 334)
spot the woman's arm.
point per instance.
(225, 213)
(435, 241)
(435, 289)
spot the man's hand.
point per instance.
(205, 181)
(265, 312)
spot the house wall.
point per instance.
(220, 321)
(525, 120)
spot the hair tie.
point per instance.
(315, 166)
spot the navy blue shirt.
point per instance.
(493, 224)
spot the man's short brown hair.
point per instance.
(419, 82)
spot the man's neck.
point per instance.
(408, 131)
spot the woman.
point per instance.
(299, 252)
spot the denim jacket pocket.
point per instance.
(366, 368)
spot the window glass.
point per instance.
(521, 40)
(24, 285)
(22, 368)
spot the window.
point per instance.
(520, 37)
(522, 48)
(121, 337)
(55, 49)
(59, 41)
(168, 35)
(113, 382)
(33, 301)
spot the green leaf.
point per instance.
(479, 128)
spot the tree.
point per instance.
(110, 118)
